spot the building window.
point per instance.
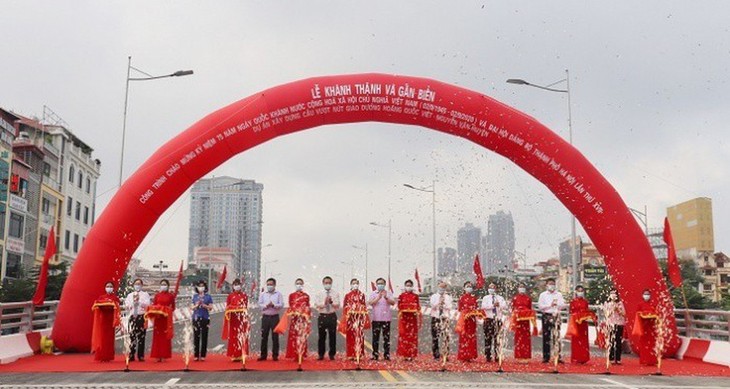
(88, 185)
(81, 179)
(76, 243)
(86, 215)
(71, 174)
(46, 206)
(67, 240)
(42, 240)
(15, 228)
(13, 265)
(46, 169)
(69, 206)
(78, 210)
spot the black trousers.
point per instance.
(550, 323)
(268, 323)
(616, 334)
(436, 328)
(200, 336)
(137, 334)
(327, 326)
(491, 338)
(384, 328)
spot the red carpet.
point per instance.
(217, 362)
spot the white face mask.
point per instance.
(237, 287)
(137, 287)
(270, 288)
(201, 289)
(381, 287)
(551, 288)
(580, 294)
(109, 290)
(521, 290)
(164, 288)
(409, 289)
(491, 291)
(468, 290)
(647, 297)
(299, 287)
(327, 286)
(355, 286)
(442, 290)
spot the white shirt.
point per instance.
(143, 301)
(439, 310)
(488, 304)
(545, 302)
(327, 308)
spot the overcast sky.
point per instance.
(650, 98)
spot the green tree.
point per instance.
(691, 279)
(23, 288)
(598, 289)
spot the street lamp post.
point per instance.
(389, 226)
(517, 81)
(433, 210)
(366, 259)
(179, 73)
(266, 263)
(644, 221)
(160, 266)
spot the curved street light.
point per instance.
(432, 190)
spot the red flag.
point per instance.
(478, 272)
(418, 280)
(372, 286)
(222, 277)
(40, 292)
(179, 278)
(675, 273)
(390, 285)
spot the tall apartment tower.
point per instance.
(227, 212)
(500, 242)
(468, 242)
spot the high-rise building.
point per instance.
(692, 228)
(500, 243)
(227, 212)
(468, 243)
(566, 259)
(8, 132)
(447, 261)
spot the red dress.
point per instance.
(409, 318)
(467, 327)
(522, 316)
(106, 320)
(580, 315)
(236, 326)
(299, 313)
(355, 319)
(161, 312)
(645, 331)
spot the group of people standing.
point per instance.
(375, 311)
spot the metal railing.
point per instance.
(22, 317)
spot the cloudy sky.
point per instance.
(649, 88)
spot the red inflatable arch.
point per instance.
(314, 102)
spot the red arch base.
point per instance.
(345, 99)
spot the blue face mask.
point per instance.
(270, 288)
(381, 287)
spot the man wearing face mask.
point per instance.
(409, 320)
(580, 315)
(381, 300)
(550, 303)
(136, 304)
(299, 314)
(354, 321)
(523, 316)
(615, 314)
(644, 331)
(270, 303)
(493, 306)
(441, 305)
(327, 303)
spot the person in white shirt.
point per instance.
(494, 307)
(136, 304)
(441, 305)
(615, 316)
(327, 303)
(550, 303)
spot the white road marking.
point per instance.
(618, 383)
(218, 347)
(171, 381)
